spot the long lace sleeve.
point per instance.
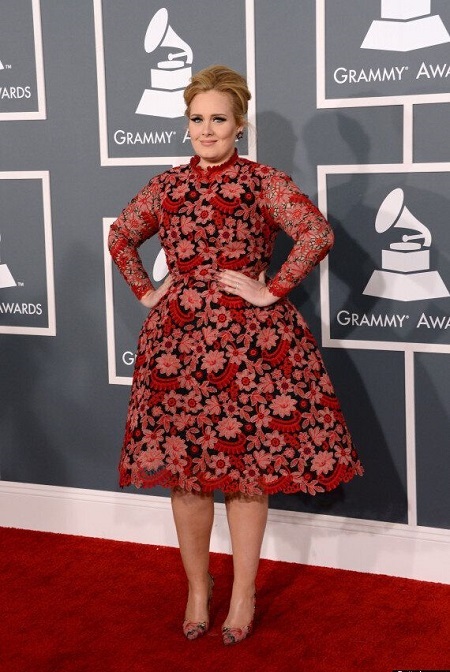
(289, 209)
(137, 223)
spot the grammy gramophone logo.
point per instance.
(168, 80)
(406, 25)
(6, 278)
(405, 273)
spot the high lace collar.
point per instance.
(213, 170)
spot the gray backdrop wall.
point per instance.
(362, 129)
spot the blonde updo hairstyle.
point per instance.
(223, 79)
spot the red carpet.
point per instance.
(74, 604)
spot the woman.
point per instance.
(229, 389)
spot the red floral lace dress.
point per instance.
(226, 395)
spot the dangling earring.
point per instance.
(239, 135)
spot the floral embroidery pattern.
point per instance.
(226, 395)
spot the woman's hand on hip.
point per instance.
(253, 291)
(153, 296)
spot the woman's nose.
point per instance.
(207, 129)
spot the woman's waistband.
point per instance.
(207, 273)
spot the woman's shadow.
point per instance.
(381, 494)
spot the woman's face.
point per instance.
(212, 127)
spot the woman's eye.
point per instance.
(220, 119)
(195, 119)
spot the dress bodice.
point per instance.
(223, 217)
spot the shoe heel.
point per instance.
(194, 629)
(232, 635)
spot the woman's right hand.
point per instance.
(153, 296)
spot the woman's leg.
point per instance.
(193, 516)
(247, 517)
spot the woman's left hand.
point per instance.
(253, 291)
